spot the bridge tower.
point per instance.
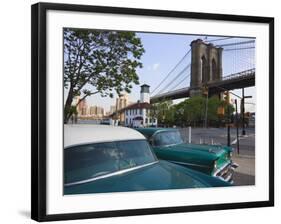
(206, 65)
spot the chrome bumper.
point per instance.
(226, 172)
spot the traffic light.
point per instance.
(205, 90)
(226, 97)
(220, 111)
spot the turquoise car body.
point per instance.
(123, 166)
(161, 175)
(213, 160)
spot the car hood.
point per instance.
(158, 176)
(203, 149)
(193, 153)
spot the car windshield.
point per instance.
(85, 162)
(166, 138)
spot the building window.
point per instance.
(141, 111)
(146, 120)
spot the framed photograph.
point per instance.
(140, 111)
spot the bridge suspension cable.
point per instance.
(171, 71)
(237, 43)
(177, 76)
(241, 48)
(219, 39)
(180, 82)
(238, 55)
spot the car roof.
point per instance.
(150, 131)
(84, 133)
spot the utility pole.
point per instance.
(237, 128)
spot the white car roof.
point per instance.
(84, 133)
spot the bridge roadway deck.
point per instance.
(231, 83)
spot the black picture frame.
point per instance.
(39, 114)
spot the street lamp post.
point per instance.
(242, 109)
(206, 93)
(243, 112)
(226, 101)
(237, 127)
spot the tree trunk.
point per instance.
(67, 106)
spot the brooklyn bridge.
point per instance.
(202, 68)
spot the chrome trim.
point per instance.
(109, 175)
(229, 172)
(190, 164)
(166, 146)
(109, 141)
(227, 179)
(222, 168)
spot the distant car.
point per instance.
(99, 159)
(214, 160)
(105, 121)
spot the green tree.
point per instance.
(213, 105)
(162, 111)
(192, 110)
(99, 62)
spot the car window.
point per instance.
(166, 138)
(93, 160)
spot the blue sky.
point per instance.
(162, 53)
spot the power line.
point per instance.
(171, 71)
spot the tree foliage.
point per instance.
(191, 112)
(164, 112)
(101, 62)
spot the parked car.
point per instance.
(214, 160)
(105, 121)
(99, 159)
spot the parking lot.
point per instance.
(245, 173)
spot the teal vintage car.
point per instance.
(214, 160)
(101, 159)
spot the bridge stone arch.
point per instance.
(206, 65)
(204, 70)
(215, 73)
